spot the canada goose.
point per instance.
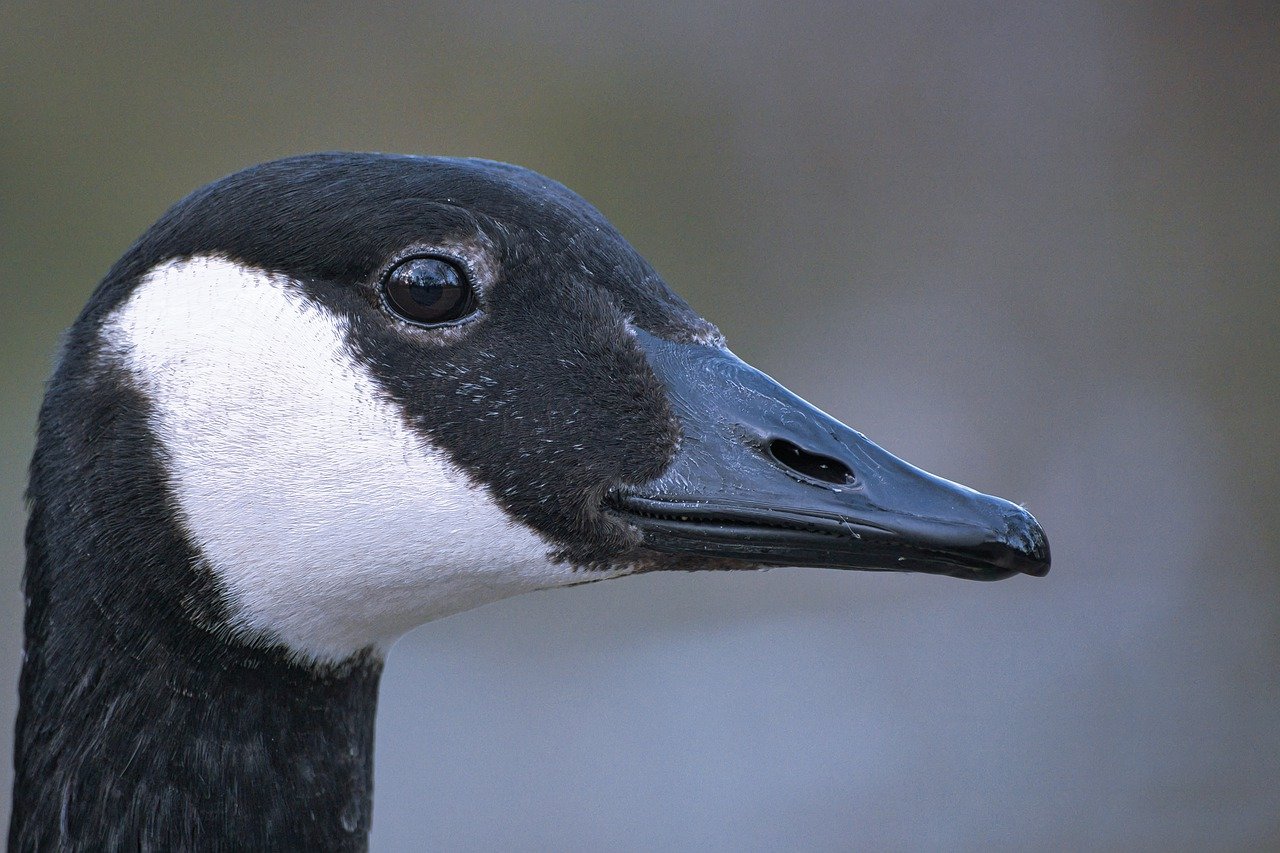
(327, 398)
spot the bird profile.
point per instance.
(328, 398)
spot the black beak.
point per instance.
(764, 478)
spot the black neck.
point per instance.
(143, 722)
(149, 750)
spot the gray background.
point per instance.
(1033, 251)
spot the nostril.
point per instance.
(809, 464)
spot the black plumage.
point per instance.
(149, 720)
(144, 719)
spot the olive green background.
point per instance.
(1033, 250)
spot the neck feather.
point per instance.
(143, 722)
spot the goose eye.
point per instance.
(428, 290)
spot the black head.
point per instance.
(519, 335)
(540, 393)
(327, 398)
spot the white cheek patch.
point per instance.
(331, 526)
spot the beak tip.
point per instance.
(1031, 547)
(1036, 569)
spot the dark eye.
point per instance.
(429, 290)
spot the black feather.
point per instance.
(146, 720)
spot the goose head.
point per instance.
(384, 389)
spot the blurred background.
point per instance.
(1035, 251)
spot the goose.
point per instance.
(329, 398)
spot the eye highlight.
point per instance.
(428, 291)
